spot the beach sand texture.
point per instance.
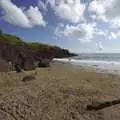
(60, 92)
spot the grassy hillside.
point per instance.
(38, 46)
(43, 48)
(12, 39)
(18, 42)
(28, 55)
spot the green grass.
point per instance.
(44, 48)
(18, 41)
(38, 46)
(12, 39)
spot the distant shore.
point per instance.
(60, 92)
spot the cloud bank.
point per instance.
(106, 10)
(76, 24)
(22, 17)
(80, 31)
(71, 10)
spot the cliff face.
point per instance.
(17, 55)
(14, 50)
(4, 66)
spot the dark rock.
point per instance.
(44, 63)
(19, 55)
(29, 64)
(28, 78)
(25, 56)
(103, 105)
(17, 68)
(4, 66)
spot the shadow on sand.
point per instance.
(102, 105)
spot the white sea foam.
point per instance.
(109, 66)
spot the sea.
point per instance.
(109, 62)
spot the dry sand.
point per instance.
(60, 92)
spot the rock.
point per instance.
(28, 78)
(17, 68)
(102, 105)
(29, 64)
(44, 63)
(4, 66)
(20, 55)
(25, 56)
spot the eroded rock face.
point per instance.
(4, 66)
(25, 56)
(29, 64)
(20, 55)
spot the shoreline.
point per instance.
(90, 67)
(60, 92)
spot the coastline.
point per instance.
(60, 92)
(109, 69)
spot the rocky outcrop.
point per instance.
(4, 66)
(25, 55)
(17, 55)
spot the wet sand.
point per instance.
(60, 92)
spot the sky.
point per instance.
(77, 25)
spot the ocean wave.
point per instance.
(106, 65)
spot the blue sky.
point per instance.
(80, 26)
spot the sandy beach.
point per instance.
(60, 92)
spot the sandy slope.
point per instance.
(58, 93)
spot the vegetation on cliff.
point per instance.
(26, 55)
(46, 49)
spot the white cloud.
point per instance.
(101, 33)
(83, 32)
(114, 35)
(99, 46)
(113, 10)
(42, 5)
(106, 10)
(71, 10)
(97, 6)
(35, 16)
(21, 17)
